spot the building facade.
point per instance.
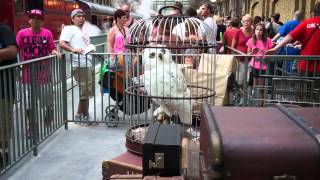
(264, 8)
(229, 7)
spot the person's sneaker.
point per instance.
(48, 119)
(241, 102)
(112, 121)
(1, 160)
(78, 118)
(4, 159)
(89, 120)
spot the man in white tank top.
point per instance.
(74, 39)
(206, 11)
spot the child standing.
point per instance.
(257, 45)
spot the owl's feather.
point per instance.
(164, 79)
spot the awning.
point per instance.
(101, 9)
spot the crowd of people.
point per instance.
(258, 37)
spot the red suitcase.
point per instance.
(126, 163)
(260, 143)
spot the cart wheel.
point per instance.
(237, 100)
(112, 117)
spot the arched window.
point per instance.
(35, 4)
(253, 7)
(20, 6)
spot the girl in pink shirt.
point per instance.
(257, 45)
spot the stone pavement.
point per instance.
(73, 154)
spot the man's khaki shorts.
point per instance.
(84, 78)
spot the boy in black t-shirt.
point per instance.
(8, 55)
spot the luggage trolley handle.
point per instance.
(310, 130)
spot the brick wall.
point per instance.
(268, 7)
(286, 9)
(256, 8)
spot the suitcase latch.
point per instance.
(285, 177)
(158, 161)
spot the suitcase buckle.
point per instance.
(158, 161)
(284, 177)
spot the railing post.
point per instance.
(267, 80)
(245, 84)
(33, 125)
(64, 90)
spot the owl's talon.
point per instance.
(162, 118)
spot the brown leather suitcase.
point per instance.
(270, 143)
(139, 177)
(126, 163)
(163, 178)
(126, 177)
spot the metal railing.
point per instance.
(107, 100)
(34, 103)
(292, 79)
(32, 106)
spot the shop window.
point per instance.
(35, 4)
(20, 6)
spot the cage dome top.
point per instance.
(173, 30)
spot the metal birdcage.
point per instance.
(170, 65)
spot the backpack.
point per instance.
(270, 31)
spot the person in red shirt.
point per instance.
(308, 33)
(242, 36)
(229, 33)
(239, 41)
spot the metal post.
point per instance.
(64, 90)
(245, 84)
(33, 112)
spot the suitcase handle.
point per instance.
(285, 177)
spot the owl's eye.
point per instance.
(152, 55)
(163, 51)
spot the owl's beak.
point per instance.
(160, 56)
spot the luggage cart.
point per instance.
(295, 91)
(286, 85)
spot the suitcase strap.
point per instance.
(311, 131)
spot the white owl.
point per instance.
(163, 78)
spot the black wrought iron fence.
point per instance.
(32, 106)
